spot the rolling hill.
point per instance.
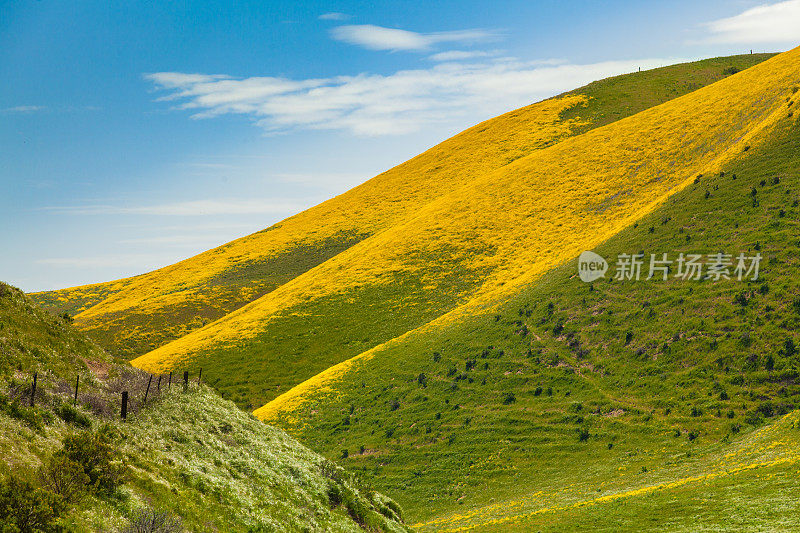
(612, 405)
(133, 316)
(500, 229)
(191, 459)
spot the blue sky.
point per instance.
(135, 134)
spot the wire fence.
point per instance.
(120, 396)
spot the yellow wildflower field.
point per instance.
(538, 211)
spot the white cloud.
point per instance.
(195, 208)
(769, 23)
(23, 109)
(459, 55)
(452, 94)
(380, 38)
(333, 16)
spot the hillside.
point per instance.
(187, 459)
(612, 405)
(136, 315)
(499, 230)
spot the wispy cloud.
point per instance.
(393, 39)
(460, 55)
(23, 109)
(449, 93)
(333, 16)
(194, 208)
(768, 23)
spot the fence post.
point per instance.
(147, 390)
(33, 388)
(77, 382)
(124, 405)
(185, 379)
(199, 377)
(170, 380)
(158, 384)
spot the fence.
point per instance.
(125, 394)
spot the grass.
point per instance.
(691, 384)
(190, 456)
(135, 315)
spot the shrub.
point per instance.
(101, 462)
(741, 299)
(65, 478)
(753, 418)
(29, 415)
(70, 415)
(767, 409)
(28, 509)
(152, 521)
(731, 70)
(583, 435)
(334, 496)
(509, 398)
(789, 348)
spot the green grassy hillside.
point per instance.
(187, 458)
(136, 315)
(611, 405)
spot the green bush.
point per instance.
(29, 415)
(753, 418)
(334, 495)
(28, 509)
(152, 521)
(65, 478)
(101, 461)
(71, 415)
